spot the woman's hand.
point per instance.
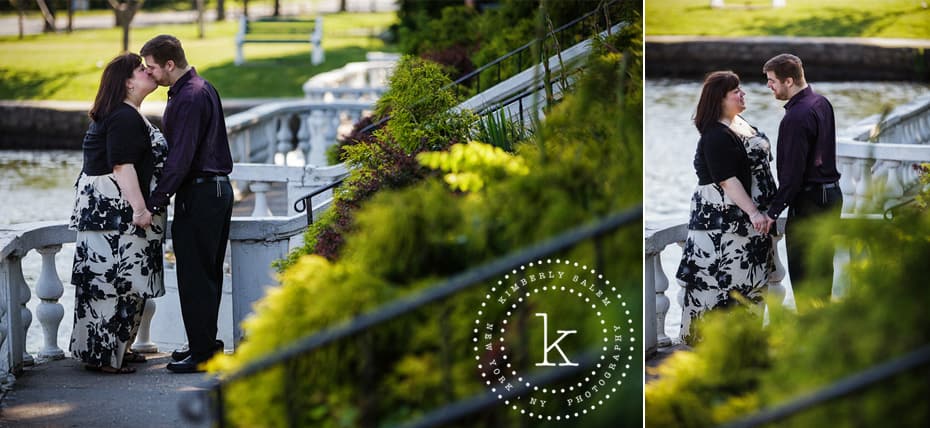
(761, 222)
(142, 219)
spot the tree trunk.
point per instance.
(245, 8)
(277, 7)
(343, 5)
(200, 29)
(48, 12)
(22, 15)
(220, 10)
(70, 15)
(124, 13)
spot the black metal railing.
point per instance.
(842, 388)
(208, 400)
(605, 13)
(305, 203)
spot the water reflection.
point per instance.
(670, 137)
(37, 185)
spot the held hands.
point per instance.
(142, 218)
(761, 222)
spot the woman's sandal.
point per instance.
(109, 370)
(134, 357)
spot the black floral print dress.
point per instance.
(117, 266)
(723, 253)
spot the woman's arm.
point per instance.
(129, 185)
(737, 193)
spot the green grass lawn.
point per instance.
(836, 18)
(68, 66)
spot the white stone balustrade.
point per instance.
(268, 133)
(255, 242)
(875, 177)
(658, 236)
(356, 81)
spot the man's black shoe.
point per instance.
(180, 354)
(187, 365)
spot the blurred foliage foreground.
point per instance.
(584, 162)
(741, 367)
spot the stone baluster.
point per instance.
(894, 188)
(6, 379)
(261, 208)
(847, 185)
(49, 312)
(862, 174)
(12, 285)
(662, 301)
(776, 290)
(269, 140)
(841, 258)
(240, 146)
(650, 329)
(331, 131)
(19, 282)
(143, 341)
(317, 122)
(680, 297)
(303, 136)
(283, 138)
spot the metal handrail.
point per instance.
(201, 399)
(518, 51)
(839, 389)
(458, 411)
(304, 201)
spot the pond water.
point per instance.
(670, 140)
(39, 186)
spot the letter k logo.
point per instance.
(547, 347)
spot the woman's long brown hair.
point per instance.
(710, 106)
(112, 90)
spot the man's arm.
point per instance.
(184, 138)
(794, 136)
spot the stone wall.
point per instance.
(53, 125)
(825, 59)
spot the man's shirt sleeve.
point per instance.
(795, 133)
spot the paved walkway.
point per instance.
(62, 394)
(33, 23)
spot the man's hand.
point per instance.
(143, 219)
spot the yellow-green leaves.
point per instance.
(469, 167)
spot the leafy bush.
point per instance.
(741, 368)
(470, 166)
(421, 119)
(406, 239)
(422, 114)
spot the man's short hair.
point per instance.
(163, 48)
(785, 66)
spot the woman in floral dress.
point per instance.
(729, 250)
(118, 250)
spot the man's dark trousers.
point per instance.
(200, 232)
(810, 203)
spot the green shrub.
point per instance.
(422, 114)
(421, 118)
(405, 239)
(741, 368)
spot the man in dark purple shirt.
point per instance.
(196, 173)
(808, 181)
